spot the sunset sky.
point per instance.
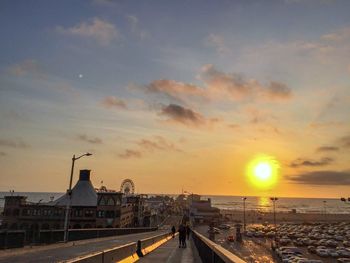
(176, 94)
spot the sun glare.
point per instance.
(263, 172)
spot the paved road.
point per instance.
(59, 252)
(171, 253)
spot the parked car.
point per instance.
(230, 238)
(311, 249)
(224, 226)
(322, 252)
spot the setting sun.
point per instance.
(263, 171)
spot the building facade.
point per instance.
(90, 208)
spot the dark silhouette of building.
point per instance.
(90, 208)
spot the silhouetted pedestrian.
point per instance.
(182, 236)
(188, 232)
(173, 230)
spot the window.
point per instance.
(110, 214)
(102, 201)
(100, 214)
(89, 213)
(110, 202)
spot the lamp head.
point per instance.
(88, 154)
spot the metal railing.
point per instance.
(211, 252)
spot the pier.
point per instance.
(156, 246)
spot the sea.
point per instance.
(263, 204)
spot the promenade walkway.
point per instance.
(64, 251)
(171, 253)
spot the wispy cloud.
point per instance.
(157, 143)
(180, 115)
(344, 141)
(217, 42)
(113, 102)
(258, 115)
(233, 126)
(327, 149)
(128, 154)
(98, 29)
(14, 143)
(92, 140)
(300, 162)
(342, 34)
(322, 178)
(235, 86)
(150, 145)
(326, 124)
(26, 68)
(136, 28)
(218, 85)
(175, 90)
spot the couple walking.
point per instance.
(184, 232)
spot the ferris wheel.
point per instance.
(127, 187)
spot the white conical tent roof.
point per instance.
(83, 193)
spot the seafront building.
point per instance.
(90, 208)
(201, 211)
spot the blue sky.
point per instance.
(145, 84)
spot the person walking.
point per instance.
(181, 232)
(173, 230)
(182, 236)
(188, 231)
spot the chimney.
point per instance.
(84, 175)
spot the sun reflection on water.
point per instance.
(264, 204)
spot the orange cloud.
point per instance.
(100, 30)
(127, 154)
(219, 85)
(113, 102)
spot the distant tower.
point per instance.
(127, 187)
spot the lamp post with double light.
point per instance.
(274, 199)
(69, 193)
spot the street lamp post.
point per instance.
(274, 199)
(244, 222)
(69, 192)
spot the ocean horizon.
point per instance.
(259, 203)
